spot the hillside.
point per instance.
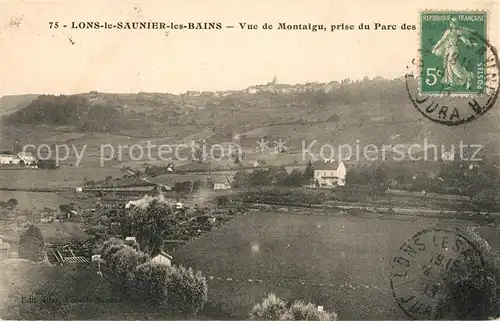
(9, 104)
(290, 103)
(73, 111)
(375, 111)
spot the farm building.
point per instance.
(330, 173)
(162, 258)
(221, 184)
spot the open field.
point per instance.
(342, 263)
(62, 177)
(33, 200)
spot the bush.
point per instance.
(186, 291)
(274, 308)
(12, 202)
(150, 280)
(124, 262)
(174, 289)
(110, 247)
(271, 308)
(471, 284)
(308, 311)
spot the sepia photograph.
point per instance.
(249, 160)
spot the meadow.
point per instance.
(62, 177)
(34, 200)
(342, 263)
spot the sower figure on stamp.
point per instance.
(455, 74)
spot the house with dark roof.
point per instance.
(330, 173)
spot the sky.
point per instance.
(40, 60)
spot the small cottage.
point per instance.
(162, 258)
(130, 240)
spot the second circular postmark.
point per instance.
(419, 269)
(455, 77)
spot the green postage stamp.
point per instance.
(453, 52)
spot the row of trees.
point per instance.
(276, 175)
(138, 280)
(479, 181)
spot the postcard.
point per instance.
(249, 160)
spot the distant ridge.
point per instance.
(12, 103)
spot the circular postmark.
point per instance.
(456, 82)
(418, 269)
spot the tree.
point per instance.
(380, 180)
(31, 244)
(237, 158)
(260, 177)
(295, 178)
(12, 202)
(152, 225)
(241, 179)
(65, 208)
(309, 172)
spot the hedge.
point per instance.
(174, 289)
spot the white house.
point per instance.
(331, 173)
(9, 159)
(26, 158)
(162, 258)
